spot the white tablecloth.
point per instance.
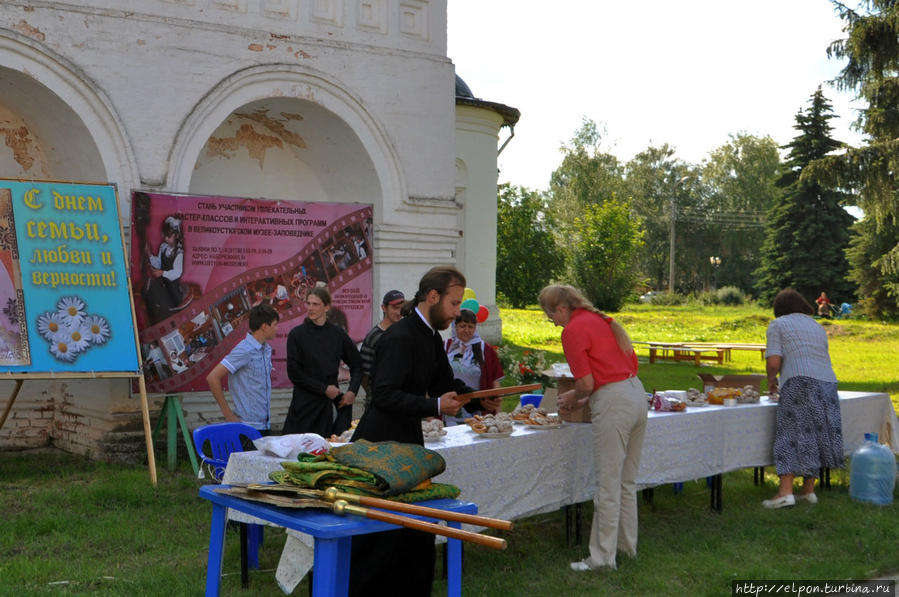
(534, 470)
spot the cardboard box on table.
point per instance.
(710, 381)
(563, 384)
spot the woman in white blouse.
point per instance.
(808, 430)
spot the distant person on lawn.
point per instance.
(823, 305)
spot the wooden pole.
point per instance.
(498, 392)
(341, 507)
(332, 494)
(141, 382)
(148, 436)
(9, 404)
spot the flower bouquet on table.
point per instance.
(525, 367)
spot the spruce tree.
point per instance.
(871, 50)
(807, 230)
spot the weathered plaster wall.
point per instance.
(332, 100)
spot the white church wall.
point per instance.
(133, 91)
(477, 131)
(138, 59)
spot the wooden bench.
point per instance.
(729, 346)
(681, 352)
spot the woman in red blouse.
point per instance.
(604, 366)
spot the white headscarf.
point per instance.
(457, 346)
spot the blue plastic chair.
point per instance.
(222, 439)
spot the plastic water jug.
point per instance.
(872, 475)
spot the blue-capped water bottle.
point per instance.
(872, 474)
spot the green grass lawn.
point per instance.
(863, 352)
(72, 526)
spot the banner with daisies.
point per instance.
(66, 305)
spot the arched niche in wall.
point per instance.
(286, 148)
(54, 122)
(280, 131)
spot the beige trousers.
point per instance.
(618, 412)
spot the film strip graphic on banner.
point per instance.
(14, 346)
(211, 318)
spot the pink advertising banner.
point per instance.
(199, 264)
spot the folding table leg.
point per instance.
(758, 475)
(331, 567)
(216, 551)
(244, 564)
(454, 564)
(715, 486)
(577, 524)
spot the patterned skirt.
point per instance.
(808, 432)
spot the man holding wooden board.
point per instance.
(411, 379)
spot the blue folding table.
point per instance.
(332, 533)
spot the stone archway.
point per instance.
(56, 123)
(283, 132)
(286, 148)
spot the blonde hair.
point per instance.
(555, 295)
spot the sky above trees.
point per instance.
(686, 73)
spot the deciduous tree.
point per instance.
(739, 178)
(526, 254)
(606, 238)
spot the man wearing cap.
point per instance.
(391, 306)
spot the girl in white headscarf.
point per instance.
(474, 361)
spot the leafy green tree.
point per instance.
(586, 176)
(872, 70)
(807, 229)
(739, 179)
(526, 255)
(870, 244)
(606, 239)
(655, 178)
(597, 232)
(648, 180)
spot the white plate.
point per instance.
(696, 404)
(546, 426)
(435, 441)
(492, 435)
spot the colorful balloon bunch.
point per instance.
(469, 301)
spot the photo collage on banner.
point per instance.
(199, 264)
(63, 285)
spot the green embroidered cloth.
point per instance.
(371, 468)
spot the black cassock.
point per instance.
(409, 373)
(314, 353)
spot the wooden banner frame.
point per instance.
(20, 376)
